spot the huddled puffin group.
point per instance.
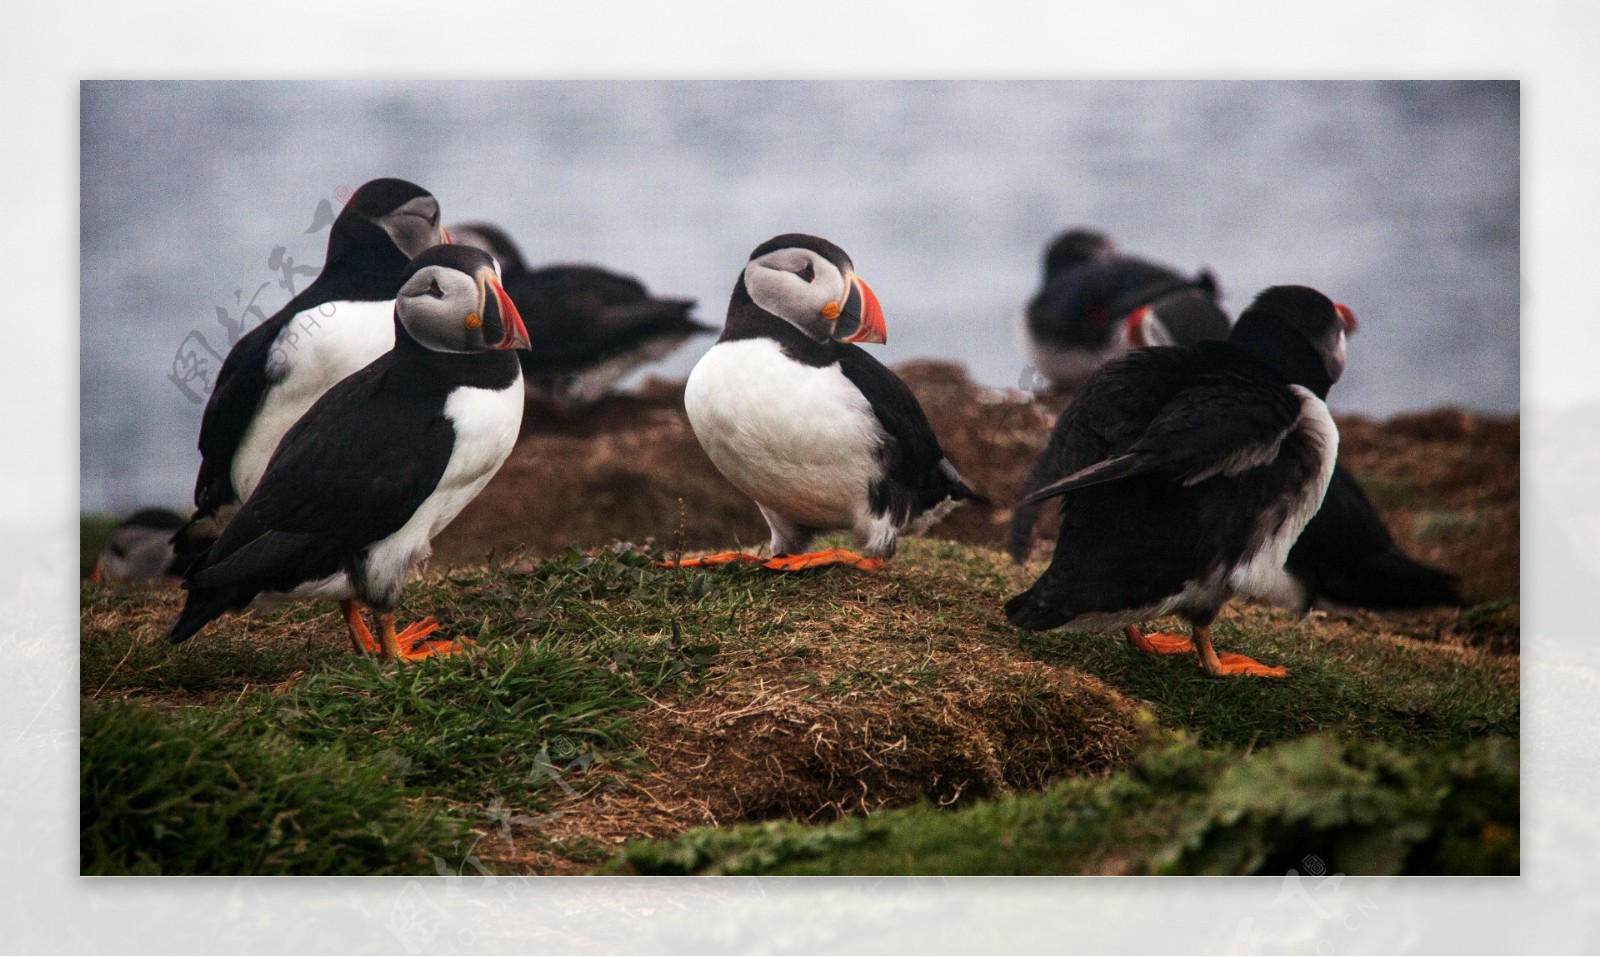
(1197, 460)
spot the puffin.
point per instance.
(1096, 303)
(139, 548)
(594, 326)
(797, 416)
(1345, 557)
(335, 326)
(354, 494)
(1188, 473)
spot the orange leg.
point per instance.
(409, 645)
(1213, 664)
(707, 561)
(832, 556)
(1159, 642)
(360, 637)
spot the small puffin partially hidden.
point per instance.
(594, 326)
(335, 326)
(139, 548)
(798, 417)
(1188, 475)
(1096, 304)
(381, 464)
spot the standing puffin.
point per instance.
(1346, 556)
(336, 325)
(1189, 473)
(594, 326)
(1095, 304)
(798, 417)
(382, 463)
(139, 548)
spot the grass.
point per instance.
(1359, 808)
(608, 699)
(208, 793)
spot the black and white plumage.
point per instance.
(139, 548)
(1188, 474)
(333, 327)
(594, 326)
(798, 417)
(1345, 557)
(383, 462)
(1095, 304)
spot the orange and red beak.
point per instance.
(1347, 317)
(860, 318)
(444, 236)
(498, 305)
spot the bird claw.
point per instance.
(1235, 664)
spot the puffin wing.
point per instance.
(1222, 424)
(352, 471)
(241, 383)
(1104, 419)
(917, 475)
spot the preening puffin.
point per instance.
(380, 464)
(1188, 475)
(336, 325)
(594, 326)
(1093, 302)
(798, 417)
(139, 548)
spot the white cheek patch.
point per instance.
(775, 287)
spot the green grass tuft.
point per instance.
(202, 793)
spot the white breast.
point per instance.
(486, 423)
(1262, 575)
(800, 440)
(314, 350)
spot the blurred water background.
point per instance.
(1399, 199)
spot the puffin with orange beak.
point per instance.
(359, 487)
(799, 417)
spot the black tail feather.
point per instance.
(204, 605)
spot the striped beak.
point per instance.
(499, 312)
(860, 318)
(1347, 317)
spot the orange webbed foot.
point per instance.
(1234, 664)
(831, 556)
(1159, 642)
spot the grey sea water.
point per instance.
(201, 200)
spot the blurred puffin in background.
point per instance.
(1095, 304)
(359, 487)
(1188, 473)
(139, 548)
(796, 415)
(594, 326)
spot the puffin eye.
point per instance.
(806, 272)
(434, 290)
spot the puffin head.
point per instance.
(401, 210)
(810, 283)
(1299, 332)
(492, 240)
(1075, 246)
(139, 548)
(451, 300)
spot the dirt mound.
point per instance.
(916, 694)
